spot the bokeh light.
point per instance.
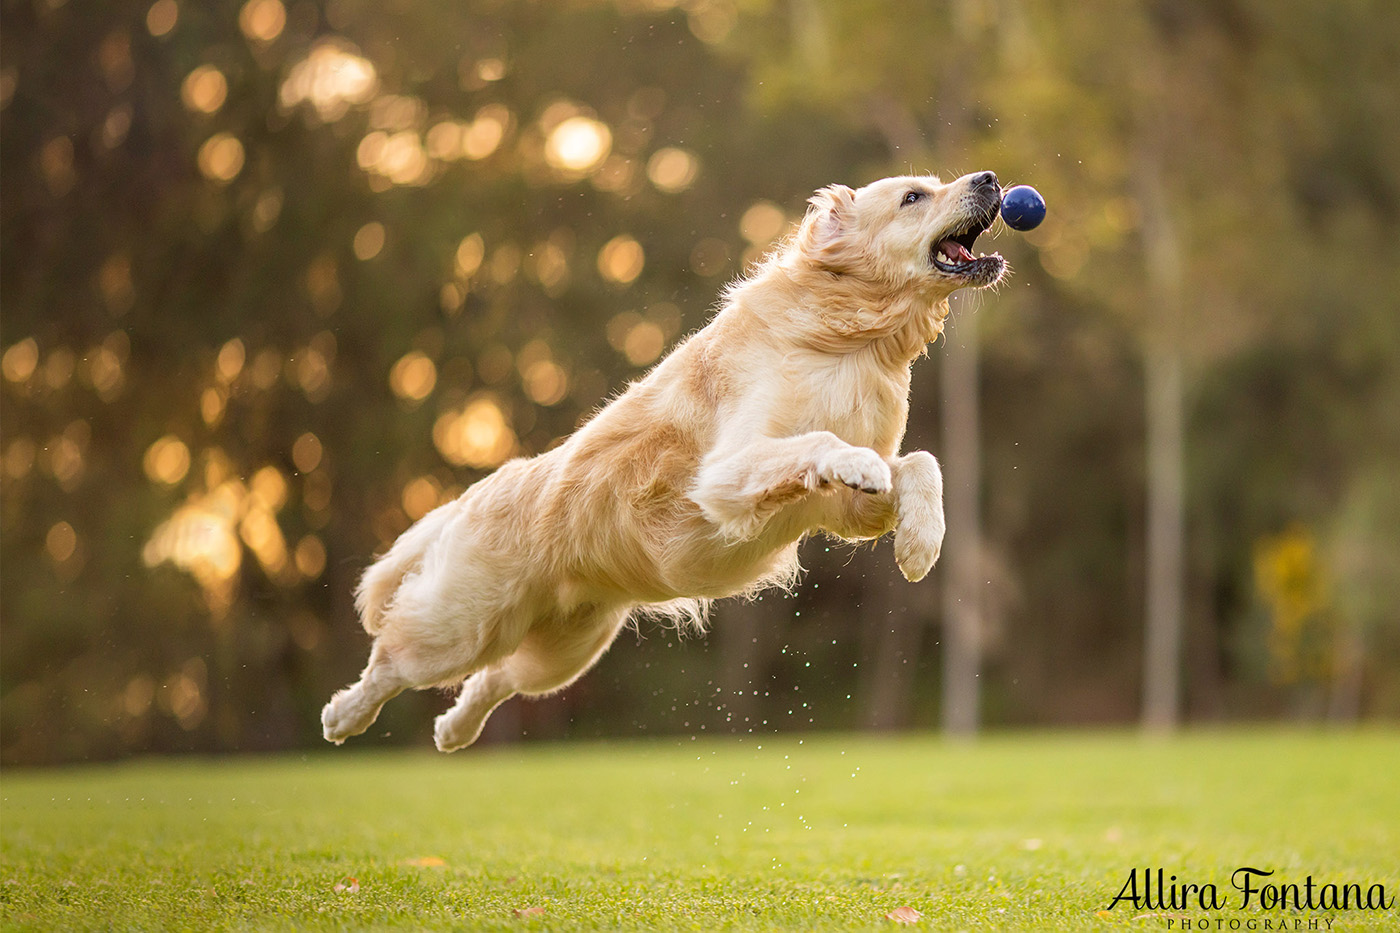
(413, 377)
(267, 209)
(421, 496)
(451, 297)
(476, 435)
(20, 360)
(621, 260)
(310, 557)
(229, 363)
(262, 20)
(491, 69)
(105, 372)
(644, 343)
(640, 339)
(114, 60)
(316, 491)
(213, 402)
(332, 79)
(578, 144)
(545, 382)
(183, 695)
(204, 90)
(58, 368)
(221, 158)
(56, 164)
(469, 255)
(672, 170)
(444, 140)
(762, 222)
(484, 134)
(269, 487)
(162, 17)
(307, 452)
(19, 458)
(394, 112)
(139, 695)
(263, 536)
(549, 261)
(61, 542)
(65, 453)
(311, 367)
(399, 158)
(116, 125)
(369, 240)
(200, 538)
(167, 460)
(712, 21)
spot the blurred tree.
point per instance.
(277, 278)
(332, 264)
(1157, 124)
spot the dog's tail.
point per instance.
(381, 580)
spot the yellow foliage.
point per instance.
(1293, 583)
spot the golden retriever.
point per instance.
(781, 417)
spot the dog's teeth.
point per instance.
(940, 257)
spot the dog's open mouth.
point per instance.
(951, 253)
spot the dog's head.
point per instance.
(906, 232)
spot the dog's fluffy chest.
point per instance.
(852, 395)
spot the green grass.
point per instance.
(1021, 832)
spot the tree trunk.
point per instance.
(962, 589)
(962, 442)
(1163, 386)
(1161, 700)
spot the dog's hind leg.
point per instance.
(481, 694)
(553, 655)
(354, 709)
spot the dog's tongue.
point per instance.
(955, 251)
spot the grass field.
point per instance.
(1013, 832)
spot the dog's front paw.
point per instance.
(917, 546)
(857, 467)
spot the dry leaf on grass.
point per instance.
(904, 915)
(347, 885)
(427, 861)
(528, 911)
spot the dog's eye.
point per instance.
(913, 197)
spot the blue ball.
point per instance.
(1022, 208)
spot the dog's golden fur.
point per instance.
(782, 417)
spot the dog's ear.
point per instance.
(827, 234)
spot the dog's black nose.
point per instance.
(985, 180)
